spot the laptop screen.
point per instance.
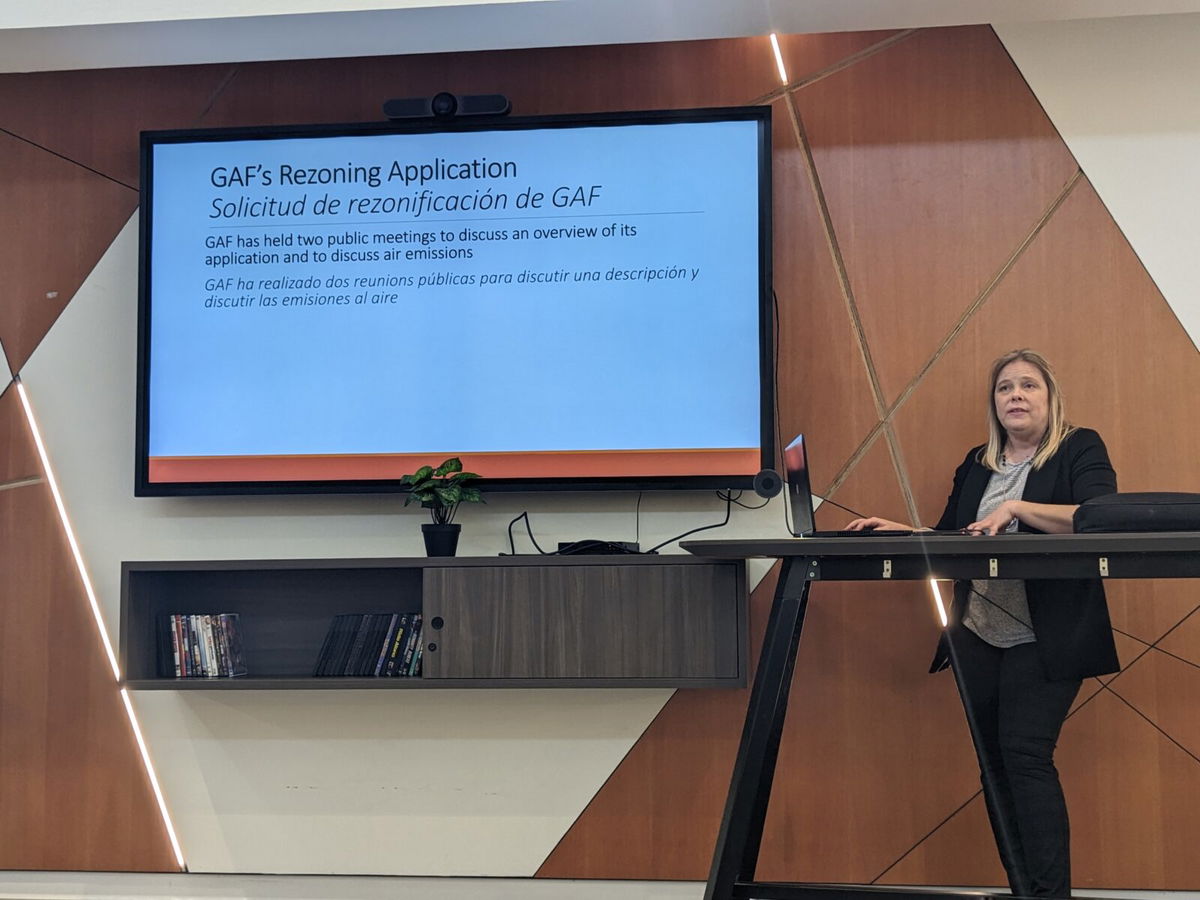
(800, 506)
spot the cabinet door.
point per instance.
(612, 621)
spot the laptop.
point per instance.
(800, 500)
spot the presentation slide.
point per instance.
(555, 302)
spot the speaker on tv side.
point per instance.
(767, 483)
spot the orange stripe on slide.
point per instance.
(385, 466)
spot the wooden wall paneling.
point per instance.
(537, 81)
(1079, 295)
(875, 751)
(807, 56)
(93, 117)
(1164, 689)
(824, 388)
(18, 454)
(1130, 370)
(1129, 651)
(960, 852)
(657, 815)
(1134, 798)
(1147, 609)
(73, 789)
(937, 160)
(56, 220)
(1114, 802)
(871, 488)
(1184, 641)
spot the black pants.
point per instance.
(1016, 715)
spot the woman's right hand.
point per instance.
(874, 523)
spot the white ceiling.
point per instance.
(87, 34)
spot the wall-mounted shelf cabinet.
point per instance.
(623, 621)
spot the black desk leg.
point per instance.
(738, 841)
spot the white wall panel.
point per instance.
(377, 782)
(1125, 95)
(386, 782)
(5, 371)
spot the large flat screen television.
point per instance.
(577, 302)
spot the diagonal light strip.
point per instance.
(158, 794)
(98, 616)
(937, 601)
(70, 532)
(778, 58)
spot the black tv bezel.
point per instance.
(143, 487)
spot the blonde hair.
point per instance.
(1057, 426)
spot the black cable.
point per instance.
(728, 498)
(637, 520)
(778, 448)
(727, 495)
(529, 528)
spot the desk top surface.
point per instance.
(926, 544)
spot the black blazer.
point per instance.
(1070, 616)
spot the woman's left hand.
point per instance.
(995, 522)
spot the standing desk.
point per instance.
(920, 556)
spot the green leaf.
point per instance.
(420, 475)
(453, 464)
(472, 495)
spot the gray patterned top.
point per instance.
(997, 610)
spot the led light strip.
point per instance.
(937, 599)
(62, 515)
(98, 616)
(158, 794)
(778, 58)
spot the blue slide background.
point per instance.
(507, 367)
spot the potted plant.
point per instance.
(440, 491)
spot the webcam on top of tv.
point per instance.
(444, 105)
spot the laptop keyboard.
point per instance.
(872, 532)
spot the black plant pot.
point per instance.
(441, 540)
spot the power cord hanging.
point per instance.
(528, 528)
(728, 498)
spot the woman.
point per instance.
(1020, 649)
